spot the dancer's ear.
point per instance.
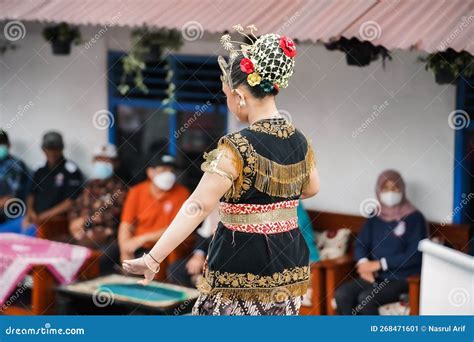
(240, 97)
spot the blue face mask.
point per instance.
(3, 151)
(102, 170)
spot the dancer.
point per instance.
(258, 261)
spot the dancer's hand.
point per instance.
(138, 266)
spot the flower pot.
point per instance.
(60, 47)
(444, 77)
(359, 57)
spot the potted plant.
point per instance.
(448, 65)
(155, 41)
(147, 46)
(359, 53)
(5, 46)
(61, 37)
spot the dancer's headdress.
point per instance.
(268, 61)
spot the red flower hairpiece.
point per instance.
(246, 66)
(288, 46)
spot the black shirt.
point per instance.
(52, 186)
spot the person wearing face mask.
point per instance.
(386, 251)
(14, 183)
(54, 187)
(150, 206)
(95, 214)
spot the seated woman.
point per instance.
(386, 251)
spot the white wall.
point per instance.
(62, 92)
(326, 98)
(409, 131)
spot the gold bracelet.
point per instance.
(146, 264)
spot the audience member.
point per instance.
(386, 251)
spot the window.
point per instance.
(188, 126)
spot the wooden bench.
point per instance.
(328, 275)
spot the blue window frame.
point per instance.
(197, 91)
(463, 154)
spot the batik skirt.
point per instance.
(218, 305)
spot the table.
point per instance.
(119, 294)
(49, 262)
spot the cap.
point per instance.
(4, 138)
(52, 140)
(155, 160)
(106, 150)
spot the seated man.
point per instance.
(14, 182)
(386, 251)
(150, 207)
(55, 185)
(95, 215)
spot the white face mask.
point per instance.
(391, 198)
(102, 170)
(164, 180)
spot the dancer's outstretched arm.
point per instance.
(202, 201)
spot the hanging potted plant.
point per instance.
(61, 37)
(448, 65)
(359, 53)
(5, 46)
(147, 46)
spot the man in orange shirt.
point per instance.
(150, 207)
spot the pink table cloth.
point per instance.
(19, 253)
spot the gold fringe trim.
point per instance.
(276, 294)
(283, 180)
(262, 173)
